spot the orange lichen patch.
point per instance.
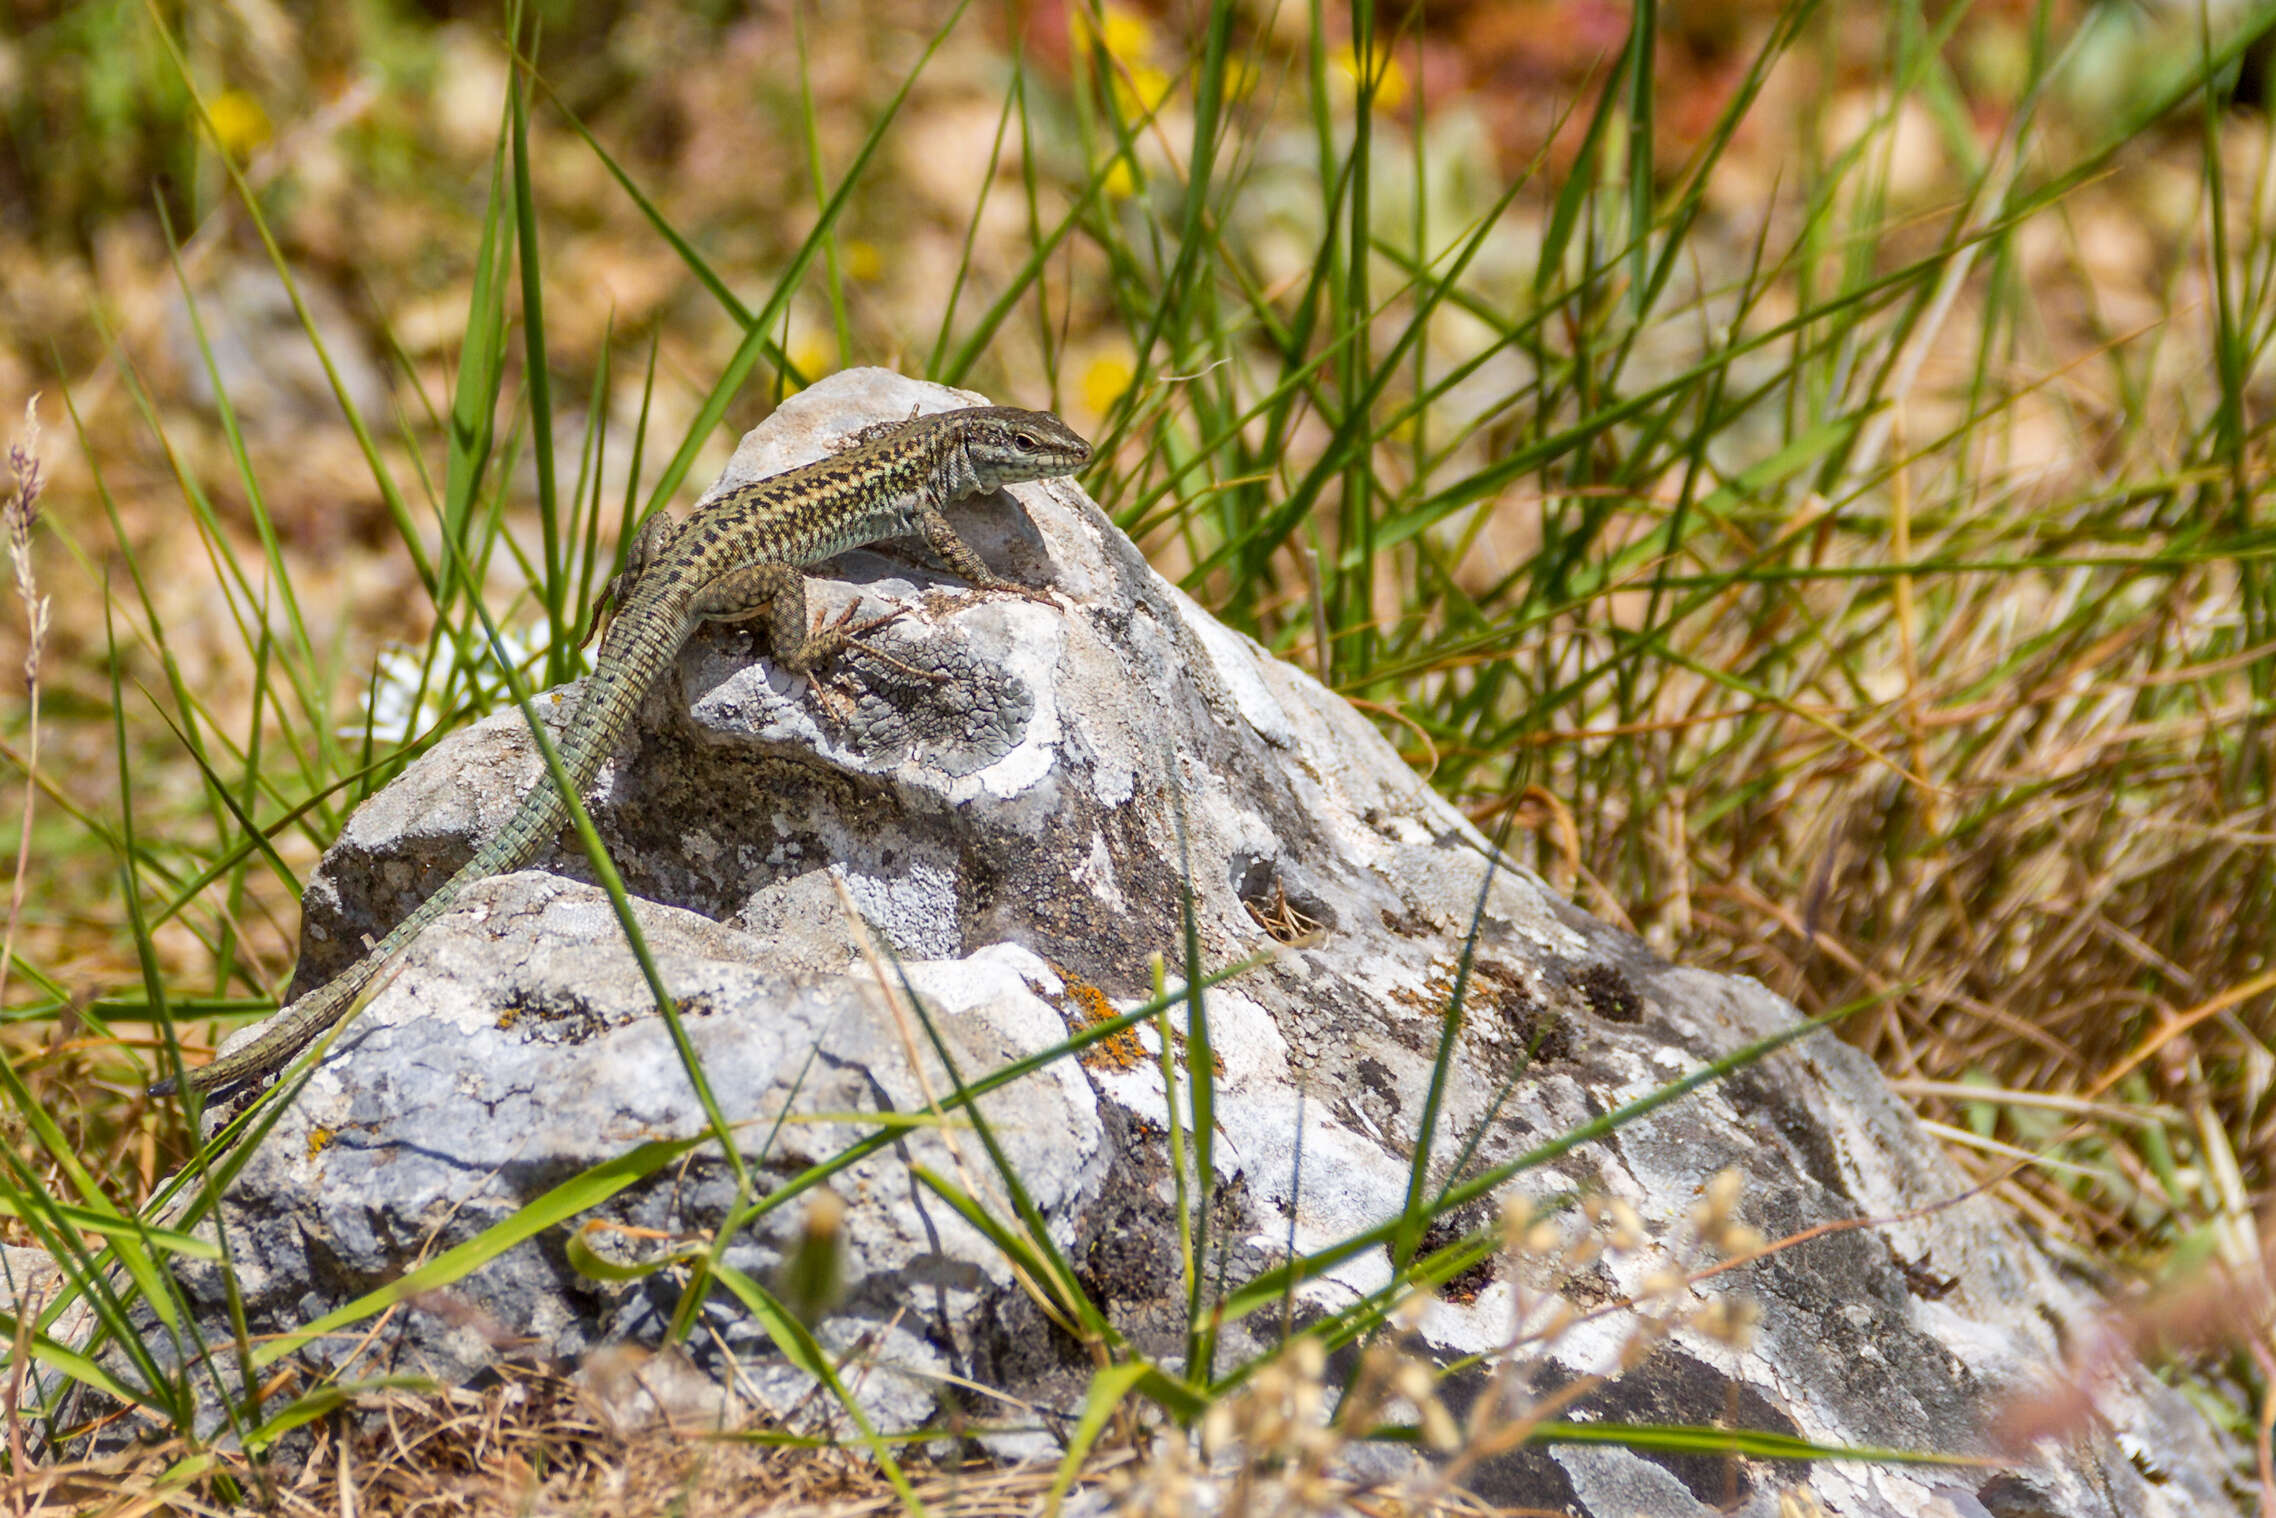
(1086, 1006)
(319, 1140)
(1435, 993)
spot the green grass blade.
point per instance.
(81, 1368)
(481, 379)
(396, 508)
(1201, 1076)
(553, 578)
(1416, 1215)
(802, 1350)
(1066, 1297)
(662, 226)
(1754, 1444)
(995, 1080)
(579, 1194)
(1110, 1384)
(113, 1226)
(1640, 58)
(949, 306)
(810, 133)
(592, 468)
(1053, 1270)
(322, 1402)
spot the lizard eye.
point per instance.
(1025, 441)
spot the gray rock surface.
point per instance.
(1012, 834)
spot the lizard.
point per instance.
(737, 558)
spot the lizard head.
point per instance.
(1007, 445)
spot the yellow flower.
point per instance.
(1126, 35)
(1141, 91)
(1105, 378)
(1121, 178)
(1390, 79)
(861, 260)
(239, 123)
(813, 356)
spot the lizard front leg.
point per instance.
(953, 551)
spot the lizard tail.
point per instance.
(538, 819)
(601, 717)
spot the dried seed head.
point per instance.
(18, 513)
(1517, 1218)
(1667, 1281)
(1728, 1319)
(1414, 1382)
(1439, 1430)
(1306, 1400)
(1717, 1210)
(24, 470)
(1218, 1426)
(1627, 1226)
(1739, 1239)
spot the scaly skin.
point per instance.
(736, 559)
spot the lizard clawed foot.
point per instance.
(834, 638)
(830, 637)
(845, 637)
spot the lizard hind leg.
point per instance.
(649, 542)
(777, 592)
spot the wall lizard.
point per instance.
(737, 559)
